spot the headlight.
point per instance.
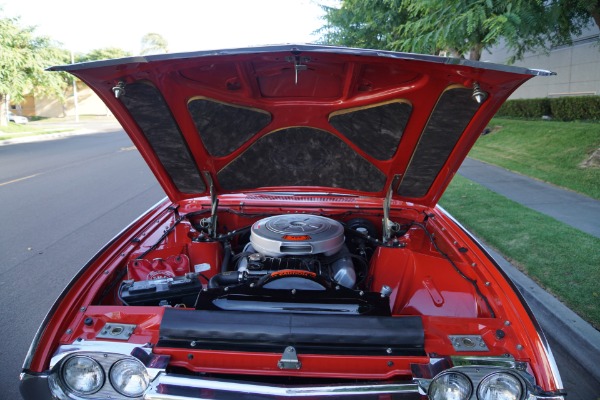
(500, 386)
(82, 375)
(129, 377)
(450, 386)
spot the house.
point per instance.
(88, 103)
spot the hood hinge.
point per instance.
(388, 225)
(214, 205)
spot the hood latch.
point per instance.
(298, 65)
(289, 359)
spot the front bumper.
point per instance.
(178, 387)
(181, 387)
(165, 385)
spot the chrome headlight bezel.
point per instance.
(106, 354)
(477, 373)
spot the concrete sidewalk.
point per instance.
(576, 337)
(574, 209)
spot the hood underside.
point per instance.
(300, 118)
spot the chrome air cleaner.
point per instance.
(283, 235)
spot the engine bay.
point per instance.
(244, 288)
(300, 263)
(294, 263)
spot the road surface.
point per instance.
(61, 200)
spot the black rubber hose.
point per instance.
(224, 279)
(226, 257)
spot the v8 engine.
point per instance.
(298, 242)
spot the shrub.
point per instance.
(576, 108)
(561, 108)
(525, 108)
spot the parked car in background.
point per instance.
(17, 119)
(300, 251)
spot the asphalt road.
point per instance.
(62, 200)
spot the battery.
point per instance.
(166, 291)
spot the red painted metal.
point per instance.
(440, 274)
(263, 81)
(423, 283)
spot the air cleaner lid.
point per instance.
(282, 235)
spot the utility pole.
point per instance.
(75, 103)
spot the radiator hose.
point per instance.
(226, 279)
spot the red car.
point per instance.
(300, 252)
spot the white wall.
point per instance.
(577, 68)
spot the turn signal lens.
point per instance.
(129, 377)
(82, 375)
(450, 386)
(500, 386)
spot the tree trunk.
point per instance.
(475, 52)
(3, 111)
(595, 13)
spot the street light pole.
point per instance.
(75, 102)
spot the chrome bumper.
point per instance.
(180, 387)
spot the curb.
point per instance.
(58, 135)
(580, 339)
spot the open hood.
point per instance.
(302, 118)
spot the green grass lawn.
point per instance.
(31, 132)
(551, 151)
(564, 260)
(17, 130)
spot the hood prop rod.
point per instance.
(388, 225)
(214, 205)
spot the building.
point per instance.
(88, 103)
(577, 67)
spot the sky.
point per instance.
(187, 25)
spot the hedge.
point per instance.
(561, 108)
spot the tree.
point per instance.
(570, 16)
(102, 54)
(362, 23)
(153, 43)
(23, 58)
(463, 27)
(476, 25)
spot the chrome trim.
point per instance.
(106, 354)
(154, 363)
(534, 397)
(538, 328)
(100, 347)
(306, 48)
(500, 362)
(165, 387)
(478, 372)
(34, 386)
